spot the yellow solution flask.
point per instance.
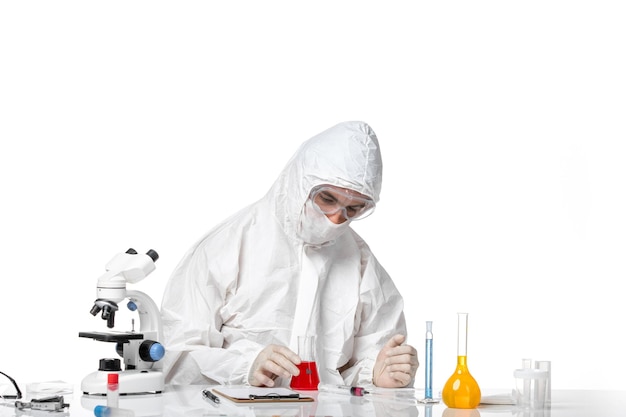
(461, 390)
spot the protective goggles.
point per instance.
(330, 200)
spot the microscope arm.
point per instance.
(149, 314)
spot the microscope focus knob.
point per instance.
(151, 351)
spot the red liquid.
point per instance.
(308, 378)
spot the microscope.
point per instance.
(141, 351)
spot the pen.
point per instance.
(343, 389)
(206, 393)
(274, 397)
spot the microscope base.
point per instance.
(130, 382)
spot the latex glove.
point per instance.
(396, 364)
(272, 362)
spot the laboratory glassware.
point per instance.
(545, 366)
(429, 361)
(428, 372)
(530, 386)
(113, 392)
(461, 390)
(308, 379)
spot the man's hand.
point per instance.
(396, 364)
(272, 362)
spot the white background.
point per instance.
(143, 124)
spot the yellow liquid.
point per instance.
(461, 389)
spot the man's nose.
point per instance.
(337, 217)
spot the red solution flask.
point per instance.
(308, 379)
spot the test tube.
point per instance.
(429, 361)
(104, 411)
(527, 363)
(113, 392)
(545, 366)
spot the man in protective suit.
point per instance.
(289, 265)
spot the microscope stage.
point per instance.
(112, 336)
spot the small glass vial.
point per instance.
(113, 391)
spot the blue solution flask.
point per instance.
(428, 394)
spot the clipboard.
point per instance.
(261, 395)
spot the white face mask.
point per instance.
(316, 229)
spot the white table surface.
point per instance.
(188, 401)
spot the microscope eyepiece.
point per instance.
(152, 254)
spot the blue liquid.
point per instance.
(429, 369)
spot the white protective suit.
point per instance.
(235, 291)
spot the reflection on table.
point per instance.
(188, 401)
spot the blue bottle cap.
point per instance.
(101, 411)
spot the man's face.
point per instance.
(341, 204)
